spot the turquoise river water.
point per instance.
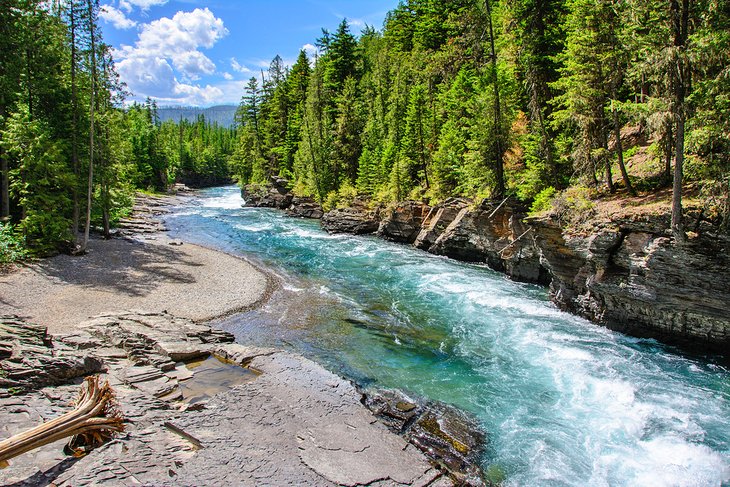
(564, 402)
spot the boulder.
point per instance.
(402, 221)
(357, 219)
(275, 194)
(305, 207)
(493, 233)
(450, 437)
(30, 360)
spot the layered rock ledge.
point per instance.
(287, 421)
(626, 273)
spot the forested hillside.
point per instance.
(481, 99)
(488, 99)
(223, 115)
(71, 156)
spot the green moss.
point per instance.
(494, 475)
(431, 425)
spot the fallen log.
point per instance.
(95, 419)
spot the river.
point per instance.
(564, 402)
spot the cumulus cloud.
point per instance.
(147, 76)
(227, 76)
(116, 17)
(193, 64)
(168, 46)
(184, 32)
(310, 49)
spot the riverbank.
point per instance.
(199, 410)
(612, 261)
(122, 274)
(248, 415)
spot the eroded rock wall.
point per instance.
(628, 275)
(635, 278)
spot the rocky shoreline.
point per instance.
(277, 418)
(203, 410)
(625, 273)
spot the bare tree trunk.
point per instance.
(607, 161)
(5, 187)
(668, 153)
(620, 153)
(499, 150)
(680, 73)
(74, 126)
(95, 412)
(105, 210)
(92, 103)
(677, 224)
(4, 181)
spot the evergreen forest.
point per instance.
(528, 99)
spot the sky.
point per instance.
(202, 53)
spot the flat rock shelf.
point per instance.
(293, 422)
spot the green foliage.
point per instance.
(573, 207)
(342, 198)
(542, 201)
(40, 181)
(12, 248)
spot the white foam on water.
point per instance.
(254, 228)
(292, 288)
(232, 201)
(312, 234)
(565, 402)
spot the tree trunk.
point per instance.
(668, 153)
(499, 151)
(677, 224)
(4, 187)
(74, 126)
(620, 153)
(4, 181)
(607, 161)
(680, 83)
(94, 413)
(92, 102)
(609, 175)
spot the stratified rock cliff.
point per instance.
(625, 273)
(357, 219)
(633, 277)
(402, 221)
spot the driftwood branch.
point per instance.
(497, 208)
(514, 241)
(95, 418)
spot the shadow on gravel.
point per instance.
(123, 266)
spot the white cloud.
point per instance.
(236, 66)
(185, 31)
(116, 17)
(167, 46)
(310, 49)
(193, 64)
(147, 76)
(126, 6)
(227, 76)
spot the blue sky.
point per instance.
(195, 52)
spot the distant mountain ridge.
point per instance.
(223, 115)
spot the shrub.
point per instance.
(11, 245)
(543, 201)
(573, 207)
